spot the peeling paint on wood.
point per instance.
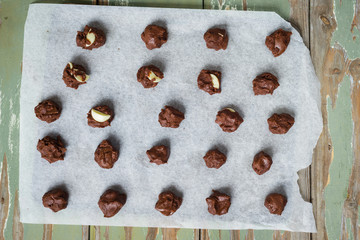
(47, 234)
(152, 233)
(356, 19)
(169, 233)
(321, 31)
(106, 234)
(204, 234)
(96, 233)
(128, 233)
(4, 196)
(85, 232)
(250, 235)
(351, 204)
(18, 229)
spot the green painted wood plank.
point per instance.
(12, 16)
(350, 40)
(341, 129)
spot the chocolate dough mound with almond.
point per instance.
(111, 202)
(47, 111)
(154, 36)
(100, 116)
(278, 41)
(158, 154)
(216, 38)
(105, 155)
(170, 117)
(228, 120)
(218, 203)
(280, 123)
(51, 149)
(56, 199)
(214, 159)
(149, 76)
(262, 163)
(265, 83)
(168, 203)
(275, 203)
(209, 81)
(90, 38)
(74, 75)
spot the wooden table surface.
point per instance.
(330, 28)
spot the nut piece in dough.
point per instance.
(264, 84)
(214, 159)
(111, 202)
(280, 123)
(105, 155)
(262, 163)
(154, 36)
(278, 41)
(100, 116)
(47, 111)
(158, 154)
(168, 203)
(90, 38)
(209, 81)
(218, 203)
(275, 203)
(74, 75)
(149, 76)
(56, 199)
(170, 117)
(228, 119)
(51, 149)
(216, 38)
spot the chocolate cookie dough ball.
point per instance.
(280, 123)
(214, 159)
(105, 155)
(154, 36)
(262, 163)
(278, 41)
(90, 38)
(218, 203)
(74, 75)
(158, 154)
(100, 116)
(47, 111)
(216, 38)
(265, 83)
(275, 203)
(170, 117)
(209, 81)
(149, 76)
(56, 199)
(51, 149)
(111, 202)
(168, 203)
(228, 119)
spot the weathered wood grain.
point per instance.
(4, 196)
(85, 232)
(128, 233)
(18, 228)
(356, 19)
(47, 233)
(152, 233)
(322, 25)
(351, 205)
(169, 233)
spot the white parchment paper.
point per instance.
(50, 33)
